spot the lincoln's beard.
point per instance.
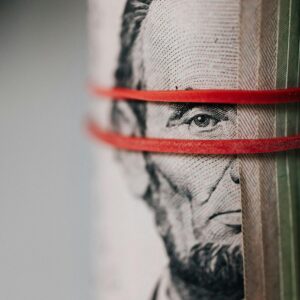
(210, 272)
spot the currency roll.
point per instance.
(182, 226)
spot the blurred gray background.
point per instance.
(44, 167)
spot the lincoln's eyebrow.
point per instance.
(179, 109)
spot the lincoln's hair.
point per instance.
(133, 16)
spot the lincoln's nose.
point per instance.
(234, 171)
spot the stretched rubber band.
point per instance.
(180, 146)
(277, 96)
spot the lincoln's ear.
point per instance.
(125, 121)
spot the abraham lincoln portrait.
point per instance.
(195, 199)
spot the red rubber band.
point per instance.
(236, 146)
(202, 96)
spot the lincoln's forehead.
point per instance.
(190, 43)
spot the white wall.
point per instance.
(44, 168)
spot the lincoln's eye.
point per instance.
(203, 120)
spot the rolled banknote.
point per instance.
(187, 227)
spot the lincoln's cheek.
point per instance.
(220, 215)
(209, 184)
(197, 176)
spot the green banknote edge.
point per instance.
(288, 164)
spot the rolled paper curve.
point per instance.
(217, 96)
(181, 146)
